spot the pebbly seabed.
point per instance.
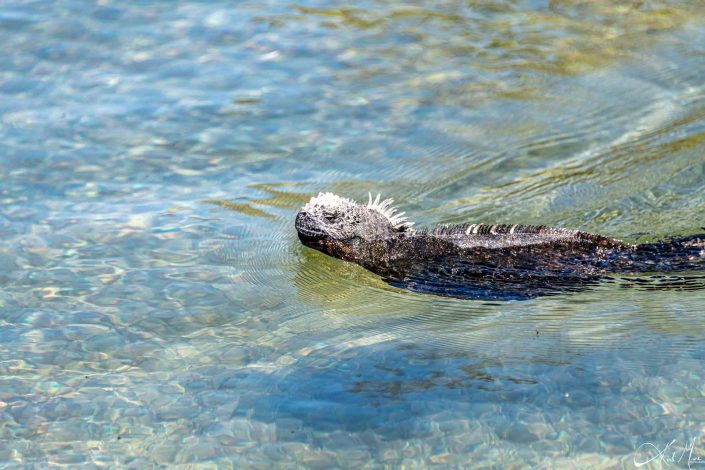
(156, 308)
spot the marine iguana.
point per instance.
(479, 260)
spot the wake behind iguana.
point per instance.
(478, 260)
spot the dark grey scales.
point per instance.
(484, 261)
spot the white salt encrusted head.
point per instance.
(327, 200)
(338, 226)
(386, 209)
(335, 202)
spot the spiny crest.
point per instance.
(505, 229)
(386, 209)
(501, 229)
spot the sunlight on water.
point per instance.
(157, 307)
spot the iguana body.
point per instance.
(495, 261)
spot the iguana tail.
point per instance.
(678, 254)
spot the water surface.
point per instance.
(156, 308)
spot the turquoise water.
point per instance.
(157, 309)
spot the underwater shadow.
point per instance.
(528, 289)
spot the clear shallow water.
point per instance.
(157, 309)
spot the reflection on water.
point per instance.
(157, 308)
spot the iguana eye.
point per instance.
(329, 217)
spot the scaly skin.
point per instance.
(480, 261)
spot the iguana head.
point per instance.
(336, 225)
